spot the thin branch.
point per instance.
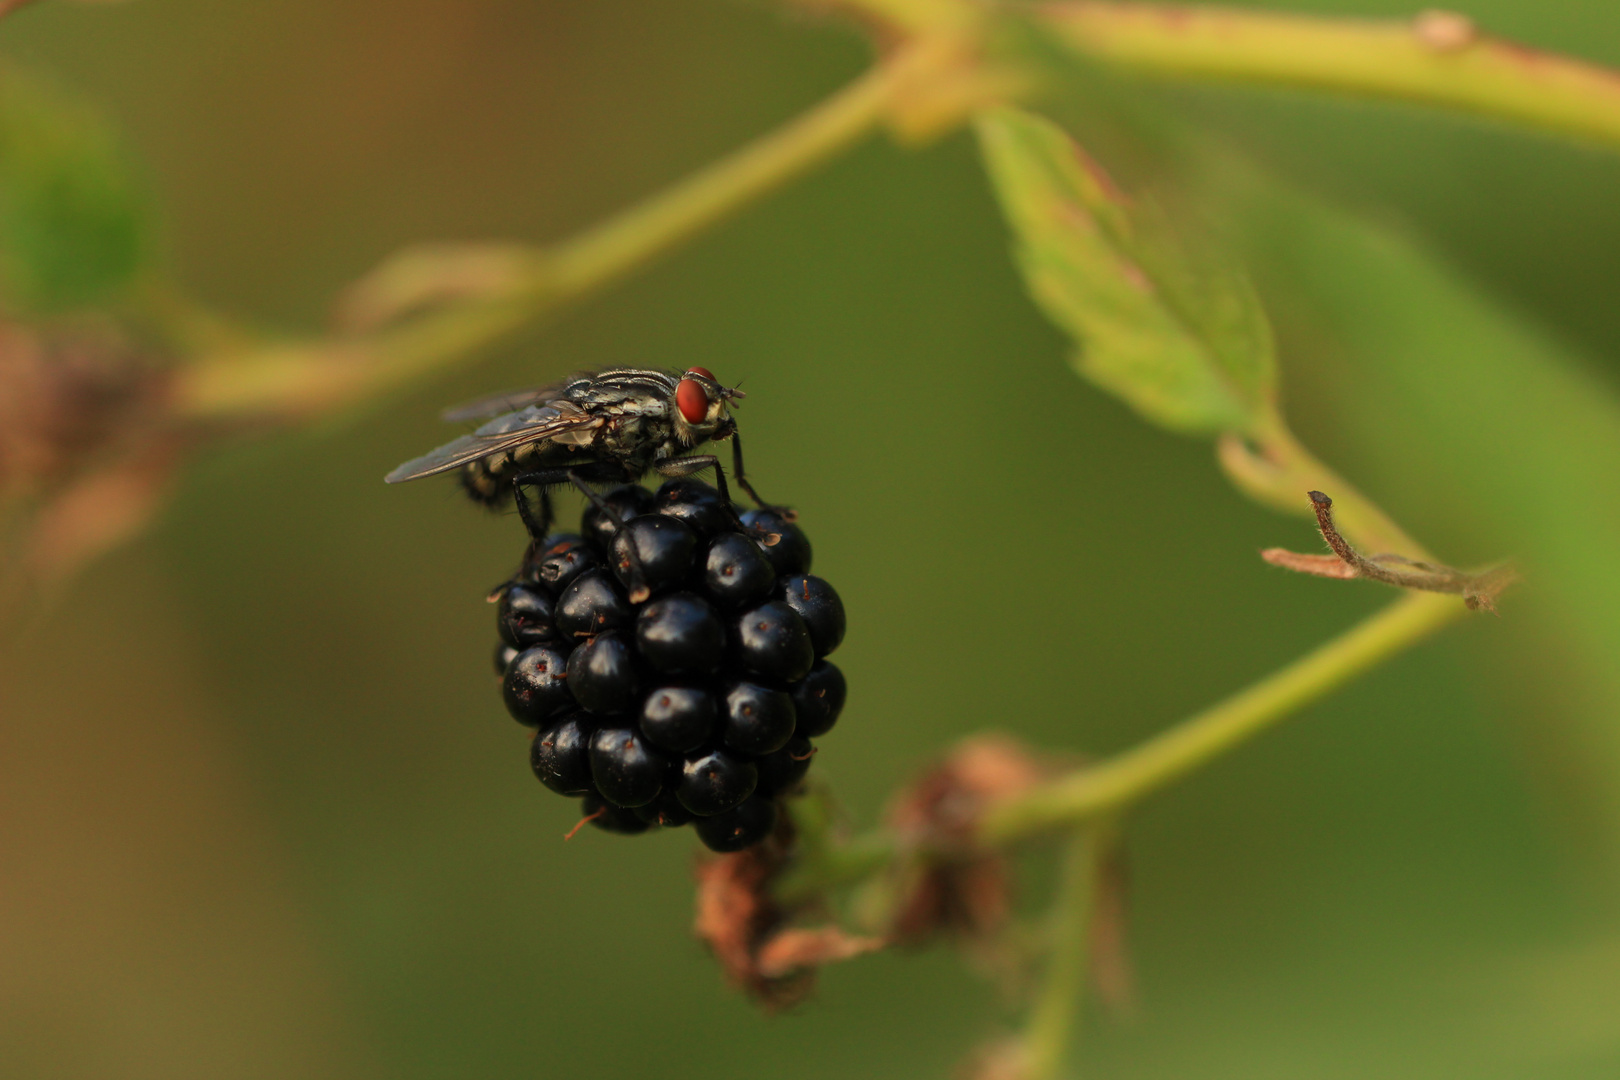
(1436, 59)
(1113, 785)
(300, 378)
(827, 865)
(1049, 1038)
(1162, 760)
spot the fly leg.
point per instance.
(742, 481)
(675, 468)
(538, 525)
(581, 477)
(686, 466)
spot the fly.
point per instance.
(601, 427)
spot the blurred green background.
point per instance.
(261, 812)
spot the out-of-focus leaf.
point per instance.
(1483, 419)
(72, 218)
(1180, 336)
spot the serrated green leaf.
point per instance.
(72, 218)
(1180, 336)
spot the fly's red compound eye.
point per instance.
(704, 372)
(692, 399)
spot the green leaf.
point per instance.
(1461, 412)
(72, 218)
(1180, 336)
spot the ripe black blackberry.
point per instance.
(673, 662)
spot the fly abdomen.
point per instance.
(488, 479)
(486, 483)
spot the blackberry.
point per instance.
(773, 641)
(736, 829)
(609, 818)
(653, 553)
(665, 810)
(714, 781)
(561, 756)
(736, 573)
(558, 561)
(524, 616)
(790, 554)
(759, 720)
(624, 502)
(818, 699)
(697, 504)
(504, 655)
(680, 634)
(602, 674)
(591, 604)
(678, 718)
(627, 771)
(781, 771)
(819, 606)
(536, 686)
(672, 658)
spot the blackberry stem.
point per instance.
(1438, 59)
(1167, 757)
(1048, 1039)
(1114, 785)
(303, 378)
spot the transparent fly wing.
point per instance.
(493, 405)
(515, 429)
(496, 404)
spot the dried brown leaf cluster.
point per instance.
(953, 887)
(63, 398)
(750, 934)
(85, 452)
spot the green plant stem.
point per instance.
(1385, 59)
(1116, 784)
(1049, 1036)
(606, 252)
(1162, 760)
(1413, 61)
(824, 864)
(300, 378)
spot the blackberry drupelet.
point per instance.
(672, 660)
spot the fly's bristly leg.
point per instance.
(742, 481)
(675, 468)
(581, 477)
(542, 480)
(538, 526)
